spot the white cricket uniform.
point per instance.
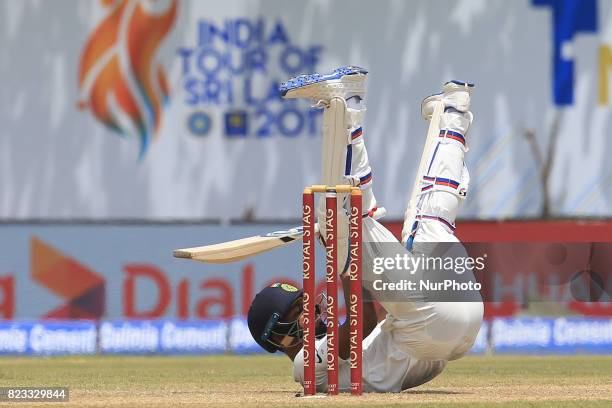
(385, 367)
(412, 345)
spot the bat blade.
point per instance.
(236, 250)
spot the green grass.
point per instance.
(238, 381)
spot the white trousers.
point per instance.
(422, 329)
(425, 329)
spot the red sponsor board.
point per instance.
(213, 297)
(7, 297)
(527, 231)
(57, 272)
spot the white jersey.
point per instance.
(385, 367)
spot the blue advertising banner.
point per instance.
(481, 345)
(48, 338)
(575, 335)
(131, 337)
(552, 336)
(240, 339)
(533, 335)
(163, 337)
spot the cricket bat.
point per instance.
(236, 250)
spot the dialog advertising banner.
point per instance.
(127, 272)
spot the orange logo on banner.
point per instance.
(119, 80)
(81, 288)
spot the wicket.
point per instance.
(331, 274)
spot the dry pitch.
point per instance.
(265, 381)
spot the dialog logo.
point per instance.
(81, 289)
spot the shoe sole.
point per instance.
(311, 79)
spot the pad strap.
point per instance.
(444, 221)
(365, 180)
(449, 134)
(440, 183)
(415, 226)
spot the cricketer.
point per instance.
(416, 339)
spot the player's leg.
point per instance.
(425, 329)
(449, 328)
(445, 183)
(357, 170)
(389, 369)
(338, 94)
(344, 160)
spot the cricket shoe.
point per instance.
(343, 82)
(455, 95)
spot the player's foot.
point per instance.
(455, 95)
(344, 82)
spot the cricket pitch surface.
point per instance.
(266, 381)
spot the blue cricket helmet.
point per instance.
(268, 307)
